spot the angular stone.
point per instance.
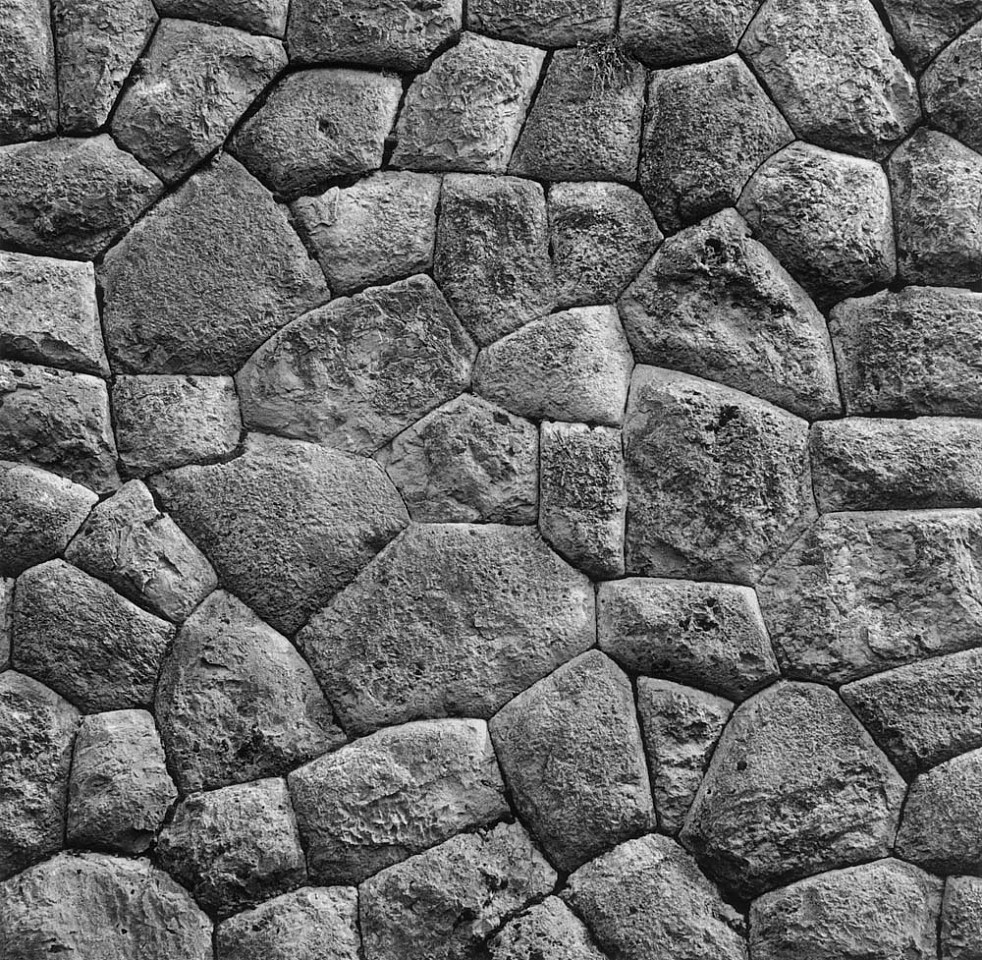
(71, 197)
(547, 931)
(680, 726)
(922, 27)
(707, 128)
(452, 620)
(6, 606)
(356, 372)
(951, 88)
(193, 84)
(717, 304)
(467, 462)
(256, 16)
(864, 592)
(960, 935)
(585, 123)
(466, 112)
(546, 23)
(37, 728)
(443, 903)
(318, 125)
(826, 217)
(396, 793)
(234, 848)
(378, 230)
(28, 88)
(120, 789)
(199, 284)
(647, 900)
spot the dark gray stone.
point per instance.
(28, 88)
(256, 16)
(922, 27)
(952, 88)
(546, 23)
(961, 919)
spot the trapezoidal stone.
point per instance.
(28, 88)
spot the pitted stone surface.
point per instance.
(256, 16)
(922, 27)
(547, 931)
(961, 919)
(28, 87)
(952, 86)
(545, 23)
(6, 604)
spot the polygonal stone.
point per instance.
(716, 303)
(585, 123)
(546, 23)
(120, 789)
(286, 524)
(355, 373)
(707, 128)
(960, 936)
(378, 230)
(206, 278)
(28, 89)
(922, 27)
(396, 793)
(451, 620)
(194, 83)
(826, 217)
(547, 931)
(466, 112)
(6, 614)
(863, 592)
(37, 728)
(215, 735)
(795, 786)
(256, 16)
(467, 462)
(951, 88)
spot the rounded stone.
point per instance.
(28, 85)
(547, 931)
(546, 23)
(961, 919)
(952, 89)
(256, 16)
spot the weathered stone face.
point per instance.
(922, 27)
(256, 16)
(547, 931)
(6, 603)
(961, 919)
(545, 23)
(951, 88)
(28, 88)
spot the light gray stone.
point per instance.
(256, 16)
(960, 935)
(546, 23)
(6, 615)
(547, 931)
(922, 27)
(951, 88)
(28, 88)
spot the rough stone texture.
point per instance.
(492, 253)
(317, 125)
(442, 904)
(863, 592)
(951, 87)
(585, 123)
(795, 786)
(680, 727)
(256, 16)
(467, 462)
(960, 935)
(378, 230)
(709, 635)
(28, 88)
(465, 113)
(546, 23)
(717, 481)
(235, 701)
(286, 524)
(826, 217)
(84, 640)
(922, 27)
(717, 304)
(206, 278)
(6, 603)
(707, 127)
(547, 931)
(37, 728)
(394, 794)
(356, 372)
(451, 620)
(234, 848)
(193, 84)
(120, 789)
(647, 900)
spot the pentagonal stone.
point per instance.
(467, 462)
(256, 16)
(378, 230)
(394, 794)
(717, 481)
(681, 726)
(716, 303)
(206, 278)
(317, 125)
(876, 911)
(547, 931)
(49, 314)
(546, 23)
(98, 43)
(193, 84)
(794, 787)
(99, 906)
(961, 919)
(709, 635)
(574, 365)
(59, 421)
(922, 27)
(215, 735)
(601, 235)
(583, 496)
(492, 253)
(466, 112)
(864, 592)
(951, 88)
(120, 789)
(28, 89)
(647, 900)
(826, 217)
(71, 197)
(707, 128)
(37, 728)
(356, 372)
(6, 605)
(451, 620)
(234, 848)
(443, 903)
(585, 123)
